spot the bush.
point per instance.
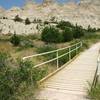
(8, 80)
(68, 34)
(46, 22)
(26, 43)
(47, 48)
(95, 93)
(27, 21)
(78, 32)
(13, 82)
(63, 24)
(17, 19)
(90, 29)
(15, 40)
(3, 60)
(51, 34)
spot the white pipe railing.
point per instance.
(41, 54)
(97, 73)
(70, 50)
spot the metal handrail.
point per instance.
(77, 46)
(41, 54)
(97, 73)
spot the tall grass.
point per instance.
(94, 94)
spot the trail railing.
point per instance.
(97, 73)
(69, 49)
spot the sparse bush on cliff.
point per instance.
(27, 21)
(18, 19)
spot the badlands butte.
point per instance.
(84, 13)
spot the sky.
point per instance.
(7, 4)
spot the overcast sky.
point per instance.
(10, 3)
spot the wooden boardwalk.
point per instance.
(71, 82)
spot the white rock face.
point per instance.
(83, 14)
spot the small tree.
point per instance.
(78, 31)
(27, 21)
(15, 40)
(63, 24)
(51, 34)
(68, 34)
(17, 19)
(90, 29)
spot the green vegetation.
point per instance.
(78, 32)
(27, 21)
(48, 48)
(65, 32)
(19, 78)
(18, 19)
(15, 81)
(68, 34)
(51, 34)
(15, 40)
(95, 93)
(63, 24)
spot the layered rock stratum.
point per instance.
(85, 13)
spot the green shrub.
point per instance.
(25, 69)
(13, 82)
(26, 43)
(3, 60)
(78, 32)
(90, 29)
(15, 40)
(47, 48)
(63, 59)
(95, 93)
(68, 34)
(9, 83)
(27, 21)
(52, 35)
(46, 22)
(63, 24)
(18, 19)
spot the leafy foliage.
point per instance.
(78, 32)
(47, 48)
(3, 60)
(68, 34)
(27, 21)
(15, 40)
(51, 34)
(17, 19)
(14, 81)
(63, 24)
(95, 93)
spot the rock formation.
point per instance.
(85, 13)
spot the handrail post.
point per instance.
(57, 59)
(81, 44)
(69, 53)
(76, 49)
